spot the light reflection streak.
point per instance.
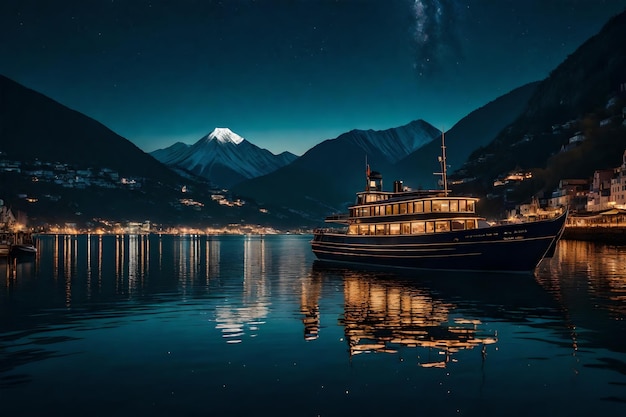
(386, 316)
(67, 269)
(244, 317)
(88, 266)
(603, 268)
(99, 262)
(133, 264)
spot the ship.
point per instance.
(432, 230)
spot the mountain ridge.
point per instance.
(223, 157)
(325, 178)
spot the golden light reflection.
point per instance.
(309, 306)
(380, 316)
(602, 269)
(237, 318)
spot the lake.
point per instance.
(252, 325)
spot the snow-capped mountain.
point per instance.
(223, 157)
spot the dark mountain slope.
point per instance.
(476, 129)
(33, 126)
(584, 96)
(326, 178)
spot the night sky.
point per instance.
(285, 74)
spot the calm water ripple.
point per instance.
(253, 325)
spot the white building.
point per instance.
(618, 186)
(600, 190)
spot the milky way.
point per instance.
(436, 36)
(285, 74)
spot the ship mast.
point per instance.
(367, 174)
(442, 162)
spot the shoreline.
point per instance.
(599, 234)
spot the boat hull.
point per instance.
(512, 247)
(23, 250)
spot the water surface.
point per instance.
(252, 325)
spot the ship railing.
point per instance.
(328, 230)
(342, 217)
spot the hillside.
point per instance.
(59, 166)
(476, 129)
(35, 127)
(326, 178)
(571, 126)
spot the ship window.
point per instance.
(372, 229)
(380, 229)
(372, 211)
(462, 205)
(388, 209)
(458, 225)
(417, 228)
(365, 211)
(454, 205)
(470, 224)
(352, 229)
(442, 226)
(427, 207)
(377, 210)
(364, 229)
(409, 208)
(394, 229)
(419, 206)
(403, 208)
(406, 228)
(430, 227)
(396, 209)
(440, 205)
(470, 206)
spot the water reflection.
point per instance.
(589, 282)
(381, 315)
(232, 270)
(436, 314)
(234, 317)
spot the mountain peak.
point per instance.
(224, 135)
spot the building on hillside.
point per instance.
(571, 193)
(600, 190)
(7, 219)
(618, 186)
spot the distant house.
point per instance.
(577, 138)
(571, 193)
(618, 185)
(610, 120)
(611, 102)
(600, 190)
(10, 166)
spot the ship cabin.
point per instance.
(407, 212)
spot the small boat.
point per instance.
(431, 229)
(5, 247)
(22, 245)
(23, 249)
